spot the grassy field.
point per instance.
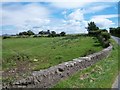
(100, 75)
(21, 55)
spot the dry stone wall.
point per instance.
(49, 77)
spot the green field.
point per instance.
(21, 55)
(100, 75)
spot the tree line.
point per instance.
(115, 31)
(42, 33)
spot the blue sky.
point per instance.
(71, 17)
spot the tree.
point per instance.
(103, 30)
(23, 33)
(48, 31)
(62, 34)
(53, 33)
(41, 32)
(20, 33)
(29, 32)
(115, 31)
(92, 27)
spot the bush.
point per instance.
(105, 35)
(102, 35)
(94, 33)
(103, 38)
(115, 31)
(5, 37)
(62, 34)
(105, 44)
(35, 36)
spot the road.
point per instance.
(116, 39)
(116, 84)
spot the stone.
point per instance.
(48, 77)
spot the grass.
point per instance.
(100, 75)
(21, 55)
(47, 51)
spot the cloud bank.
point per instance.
(59, 16)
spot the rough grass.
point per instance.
(100, 75)
(46, 52)
(22, 55)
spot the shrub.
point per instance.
(103, 38)
(5, 37)
(105, 44)
(115, 31)
(105, 35)
(62, 34)
(35, 36)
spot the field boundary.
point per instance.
(49, 77)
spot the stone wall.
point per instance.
(49, 77)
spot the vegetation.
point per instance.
(92, 28)
(42, 33)
(62, 34)
(38, 47)
(102, 35)
(22, 56)
(115, 31)
(29, 32)
(100, 75)
(5, 37)
(28, 54)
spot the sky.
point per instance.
(70, 16)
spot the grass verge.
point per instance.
(100, 75)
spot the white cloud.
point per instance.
(36, 16)
(96, 8)
(23, 13)
(81, 0)
(106, 16)
(76, 15)
(75, 22)
(59, 0)
(25, 16)
(103, 21)
(69, 5)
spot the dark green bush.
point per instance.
(5, 37)
(115, 31)
(105, 44)
(105, 35)
(35, 36)
(94, 33)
